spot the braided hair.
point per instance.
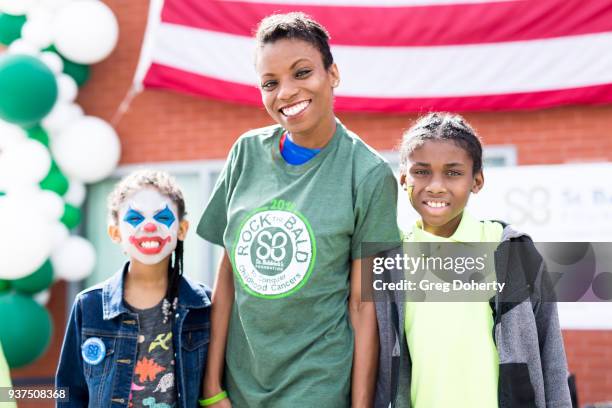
(175, 271)
(441, 126)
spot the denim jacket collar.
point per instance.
(191, 296)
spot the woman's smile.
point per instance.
(295, 110)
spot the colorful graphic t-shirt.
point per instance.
(291, 232)
(153, 382)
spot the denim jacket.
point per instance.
(100, 312)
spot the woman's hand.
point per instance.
(222, 301)
(365, 329)
(224, 403)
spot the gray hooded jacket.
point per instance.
(532, 364)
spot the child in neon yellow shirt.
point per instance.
(465, 354)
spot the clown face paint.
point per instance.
(148, 224)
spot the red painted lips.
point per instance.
(149, 245)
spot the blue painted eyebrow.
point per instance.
(165, 217)
(133, 217)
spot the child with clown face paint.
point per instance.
(141, 337)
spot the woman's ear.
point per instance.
(114, 234)
(183, 228)
(478, 182)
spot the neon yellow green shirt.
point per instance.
(5, 379)
(454, 359)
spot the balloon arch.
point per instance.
(49, 150)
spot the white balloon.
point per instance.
(39, 10)
(10, 134)
(76, 193)
(85, 31)
(61, 116)
(15, 7)
(60, 234)
(67, 88)
(74, 260)
(21, 46)
(42, 297)
(26, 238)
(44, 202)
(37, 32)
(47, 6)
(53, 61)
(87, 150)
(23, 163)
(50, 204)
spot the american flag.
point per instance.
(398, 55)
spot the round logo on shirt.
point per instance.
(274, 251)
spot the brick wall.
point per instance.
(162, 126)
(589, 355)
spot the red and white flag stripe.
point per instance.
(398, 55)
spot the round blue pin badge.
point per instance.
(93, 350)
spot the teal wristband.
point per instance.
(213, 400)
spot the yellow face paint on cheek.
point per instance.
(409, 189)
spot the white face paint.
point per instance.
(148, 224)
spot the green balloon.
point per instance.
(28, 89)
(38, 133)
(79, 72)
(26, 328)
(38, 280)
(4, 285)
(55, 180)
(10, 28)
(71, 217)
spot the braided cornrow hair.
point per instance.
(175, 271)
(442, 126)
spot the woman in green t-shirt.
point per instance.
(291, 208)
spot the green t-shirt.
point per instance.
(454, 359)
(291, 232)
